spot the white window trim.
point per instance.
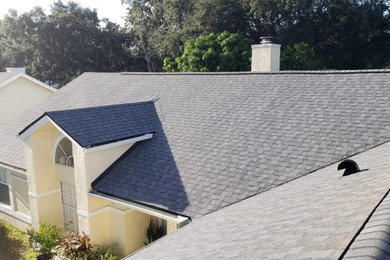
(54, 149)
(15, 214)
(10, 191)
(56, 142)
(10, 209)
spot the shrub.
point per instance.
(45, 240)
(75, 246)
(154, 232)
(106, 253)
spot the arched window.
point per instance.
(63, 153)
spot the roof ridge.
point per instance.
(104, 106)
(362, 71)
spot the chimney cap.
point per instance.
(266, 39)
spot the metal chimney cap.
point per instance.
(266, 39)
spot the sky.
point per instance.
(112, 9)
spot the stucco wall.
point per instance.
(88, 166)
(43, 185)
(19, 96)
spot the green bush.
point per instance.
(106, 253)
(46, 239)
(75, 246)
(154, 232)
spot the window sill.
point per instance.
(7, 209)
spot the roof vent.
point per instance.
(350, 167)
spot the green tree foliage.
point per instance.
(213, 52)
(301, 57)
(63, 44)
(347, 34)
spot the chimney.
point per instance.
(15, 69)
(266, 55)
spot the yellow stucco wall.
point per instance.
(43, 184)
(171, 226)
(19, 96)
(88, 166)
(100, 232)
(117, 224)
(49, 209)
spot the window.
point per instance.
(64, 153)
(4, 187)
(69, 207)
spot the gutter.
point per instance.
(178, 219)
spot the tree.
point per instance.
(301, 57)
(65, 43)
(347, 34)
(213, 52)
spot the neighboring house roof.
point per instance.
(96, 126)
(312, 217)
(223, 137)
(7, 77)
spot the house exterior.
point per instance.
(239, 165)
(18, 93)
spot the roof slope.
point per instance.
(313, 217)
(374, 239)
(7, 77)
(223, 137)
(105, 124)
(4, 76)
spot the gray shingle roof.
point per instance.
(105, 124)
(226, 136)
(312, 217)
(374, 239)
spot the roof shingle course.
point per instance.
(227, 136)
(314, 216)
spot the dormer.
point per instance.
(66, 150)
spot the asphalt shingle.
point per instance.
(105, 124)
(222, 137)
(312, 217)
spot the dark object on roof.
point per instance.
(350, 167)
(105, 124)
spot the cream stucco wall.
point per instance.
(19, 96)
(43, 185)
(88, 166)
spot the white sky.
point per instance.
(112, 9)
